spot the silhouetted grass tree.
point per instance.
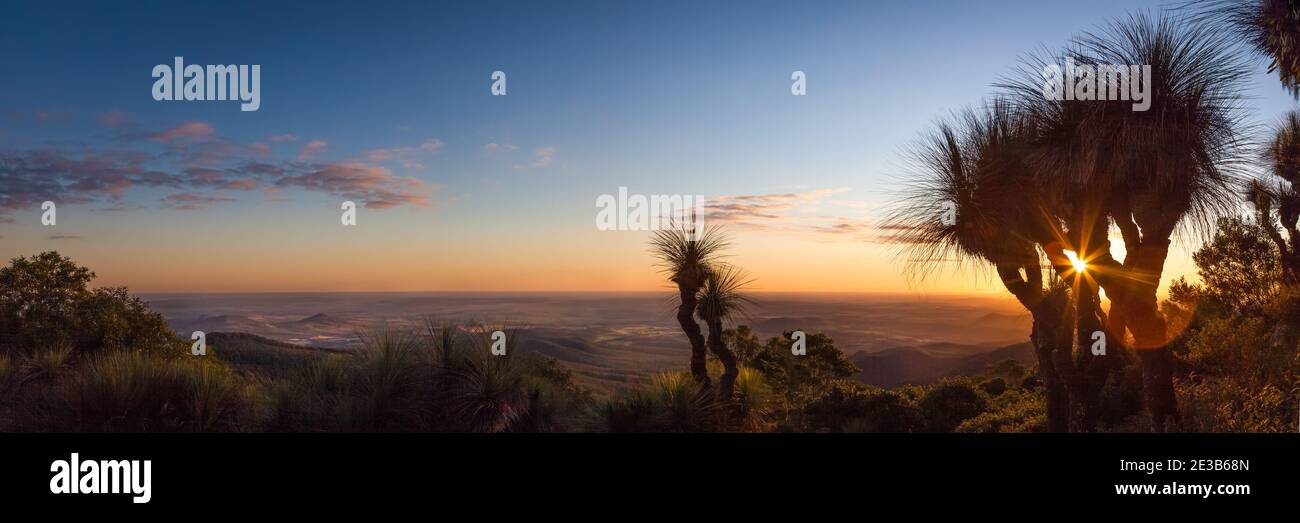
(686, 253)
(723, 298)
(971, 197)
(1277, 205)
(1272, 27)
(1149, 172)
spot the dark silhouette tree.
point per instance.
(723, 298)
(972, 198)
(1277, 205)
(687, 253)
(1272, 27)
(1150, 173)
(1239, 268)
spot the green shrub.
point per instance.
(994, 386)
(1011, 411)
(389, 382)
(949, 402)
(134, 391)
(1211, 404)
(670, 402)
(753, 401)
(46, 364)
(853, 407)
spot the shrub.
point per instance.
(949, 402)
(752, 403)
(389, 382)
(1213, 404)
(670, 402)
(993, 386)
(853, 407)
(1011, 411)
(46, 364)
(134, 391)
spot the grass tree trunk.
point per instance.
(730, 369)
(1144, 320)
(686, 318)
(1051, 334)
(1093, 369)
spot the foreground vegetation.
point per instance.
(76, 359)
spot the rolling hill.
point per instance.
(925, 364)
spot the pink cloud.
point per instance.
(383, 155)
(246, 184)
(378, 187)
(785, 211)
(312, 148)
(543, 156)
(188, 130)
(114, 119)
(406, 154)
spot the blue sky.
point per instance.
(671, 98)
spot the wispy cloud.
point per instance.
(494, 147)
(432, 145)
(543, 156)
(376, 186)
(762, 208)
(409, 156)
(42, 115)
(189, 201)
(28, 178)
(312, 148)
(114, 119)
(796, 212)
(186, 131)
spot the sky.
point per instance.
(390, 105)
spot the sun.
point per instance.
(1079, 264)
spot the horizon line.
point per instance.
(883, 293)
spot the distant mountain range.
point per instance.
(927, 363)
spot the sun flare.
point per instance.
(1079, 264)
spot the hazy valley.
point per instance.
(609, 339)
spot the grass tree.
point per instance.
(687, 253)
(1277, 205)
(1272, 27)
(1151, 173)
(970, 198)
(722, 299)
